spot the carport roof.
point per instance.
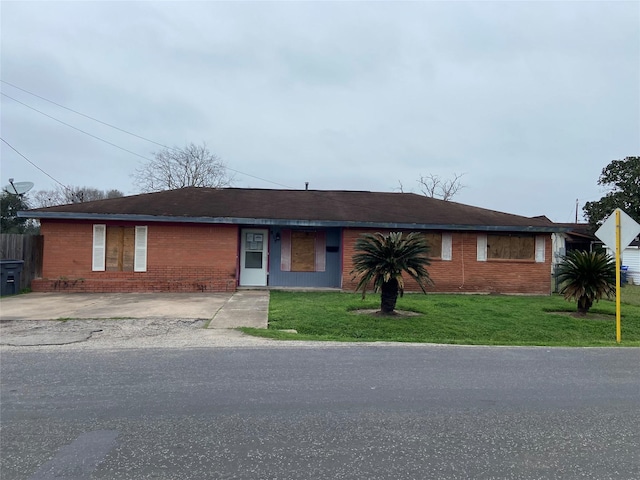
(295, 207)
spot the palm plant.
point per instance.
(587, 277)
(383, 259)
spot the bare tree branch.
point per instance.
(191, 166)
(435, 187)
(72, 194)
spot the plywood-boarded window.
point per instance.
(435, 244)
(511, 247)
(303, 251)
(120, 249)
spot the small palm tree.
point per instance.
(383, 258)
(587, 277)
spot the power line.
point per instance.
(76, 128)
(364, 206)
(98, 138)
(116, 128)
(367, 207)
(87, 116)
(15, 150)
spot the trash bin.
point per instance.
(10, 271)
(623, 274)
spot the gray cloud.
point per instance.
(530, 99)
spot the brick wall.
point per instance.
(464, 274)
(204, 258)
(180, 258)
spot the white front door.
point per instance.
(253, 257)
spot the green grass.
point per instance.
(630, 294)
(452, 319)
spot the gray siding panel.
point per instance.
(330, 278)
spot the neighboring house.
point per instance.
(211, 240)
(630, 258)
(577, 236)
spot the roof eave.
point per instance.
(284, 222)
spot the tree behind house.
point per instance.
(622, 179)
(434, 186)
(191, 166)
(10, 205)
(66, 195)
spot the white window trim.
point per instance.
(447, 247)
(140, 250)
(482, 247)
(540, 249)
(99, 248)
(99, 253)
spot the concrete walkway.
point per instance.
(246, 308)
(241, 309)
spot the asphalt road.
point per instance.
(356, 412)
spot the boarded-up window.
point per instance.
(303, 251)
(511, 247)
(119, 249)
(435, 244)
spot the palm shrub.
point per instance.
(383, 259)
(587, 277)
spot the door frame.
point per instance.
(252, 278)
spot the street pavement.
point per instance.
(135, 399)
(352, 412)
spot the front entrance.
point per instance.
(253, 257)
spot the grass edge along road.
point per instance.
(452, 319)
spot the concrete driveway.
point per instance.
(225, 310)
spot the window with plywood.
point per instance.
(435, 244)
(119, 249)
(303, 251)
(511, 247)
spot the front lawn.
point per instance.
(453, 319)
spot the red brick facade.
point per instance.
(180, 258)
(204, 258)
(465, 274)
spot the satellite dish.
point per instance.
(18, 188)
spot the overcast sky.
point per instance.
(529, 100)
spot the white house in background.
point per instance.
(631, 259)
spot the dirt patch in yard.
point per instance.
(377, 313)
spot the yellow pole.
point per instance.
(618, 333)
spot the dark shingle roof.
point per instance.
(318, 207)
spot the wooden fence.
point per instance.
(14, 246)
